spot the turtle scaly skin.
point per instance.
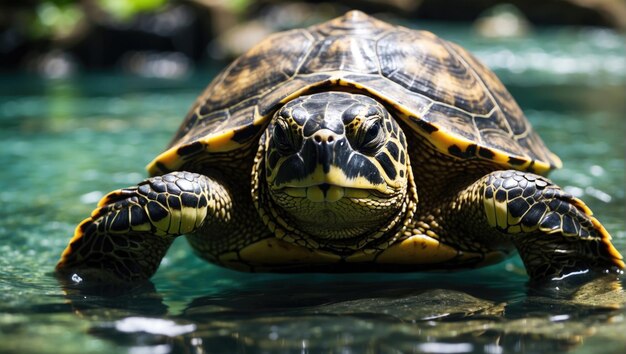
(132, 228)
(349, 146)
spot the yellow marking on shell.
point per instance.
(557, 160)
(273, 251)
(169, 158)
(418, 249)
(258, 118)
(222, 141)
(443, 140)
(217, 142)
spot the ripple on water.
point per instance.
(65, 146)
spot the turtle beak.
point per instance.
(326, 161)
(326, 150)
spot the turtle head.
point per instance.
(336, 166)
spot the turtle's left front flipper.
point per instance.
(126, 237)
(554, 232)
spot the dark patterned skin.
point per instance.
(129, 233)
(353, 145)
(347, 155)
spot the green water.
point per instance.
(66, 142)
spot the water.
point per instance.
(67, 142)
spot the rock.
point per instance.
(502, 21)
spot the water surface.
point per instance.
(67, 142)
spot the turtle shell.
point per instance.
(436, 87)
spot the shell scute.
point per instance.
(336, 53)
(422, 63)
(497, 90)
(500, 140)
(394, 95)
(292, 88)
(494, 121)
(452, 120)
(202, 125)
(267, 64)
(353, 23)
(437, 88)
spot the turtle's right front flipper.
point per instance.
(126, 237)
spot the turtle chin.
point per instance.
(331, 212)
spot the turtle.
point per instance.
(353, 145)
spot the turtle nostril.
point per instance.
(324, 138)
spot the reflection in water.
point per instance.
(112, 302)
(63, 139)
(422, 316)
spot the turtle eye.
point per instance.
(284, 139)
(371, 137)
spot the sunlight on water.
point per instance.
(592, 57)
(68, 142)
(153, 326)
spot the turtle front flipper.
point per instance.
(126, 237)
(554, 232)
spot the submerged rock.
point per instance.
(428, 305)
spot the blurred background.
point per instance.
(168, 38)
